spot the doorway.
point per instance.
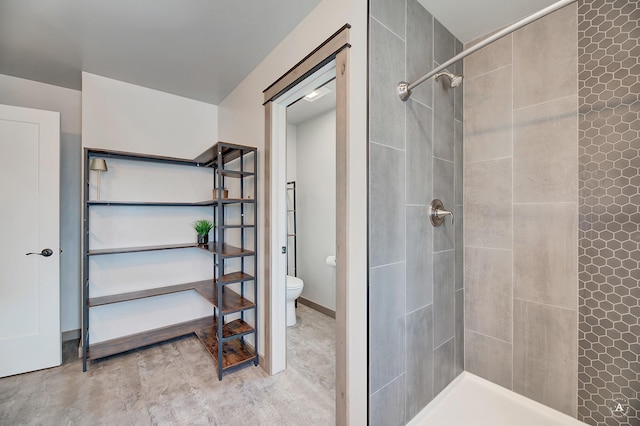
(279, 197)
(310, 197)
(328, 61)
(310, 217)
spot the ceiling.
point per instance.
(304, 110)
(199, 49)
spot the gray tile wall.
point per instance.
(522, 137)
(416, 299)
(609, 123)
(521, 211)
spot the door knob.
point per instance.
(437, 213)
(45, 252)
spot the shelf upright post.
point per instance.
(242, 222)
(219, 258)
(255, 252)
(85, 263)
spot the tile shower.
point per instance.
(541, 294)
(415, 155)
(521, 211)
(609, 270)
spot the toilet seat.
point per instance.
(294, 283)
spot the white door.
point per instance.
(29, 222)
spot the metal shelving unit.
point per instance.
(292, 233)
(226, 339)
(99, 349)
(228, 161)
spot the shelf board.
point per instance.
(148, 337)
(234, 352)
(93, 152)
(228, 250)
(231, 330)
(236, 226)
(229, 153)
(235, 173)
(235, 201)
(141, 294)
(231, 301)
(152, 203)
(209, 158)
(206, 203)
(141, 249)
(236, 277)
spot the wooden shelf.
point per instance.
(231, 330)
(234, 352)
(152, 203)
(171, 203)
(236, 226)
(236, 277)
(228, 250)
(141, 249)
(235, 201)
(149, 337)
(141, 294)
(231, 301)
(235, 173)
(209, 158)
(229, 152)
(94, 152)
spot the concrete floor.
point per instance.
(175, 383)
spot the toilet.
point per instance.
(294, 288)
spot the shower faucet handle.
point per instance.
(437, 213)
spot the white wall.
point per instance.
(32, 94)
(119, 116)
(125, 117)
(316, 207)
(241, 119)
(292, 136)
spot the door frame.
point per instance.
(335, 48)
(278, 206)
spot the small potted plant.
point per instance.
(202, 227)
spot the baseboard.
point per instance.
(313, 305)
(260, 356)
(70, 335)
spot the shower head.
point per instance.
(404, 89)
(454, 80)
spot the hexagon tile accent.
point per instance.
(609, 270)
